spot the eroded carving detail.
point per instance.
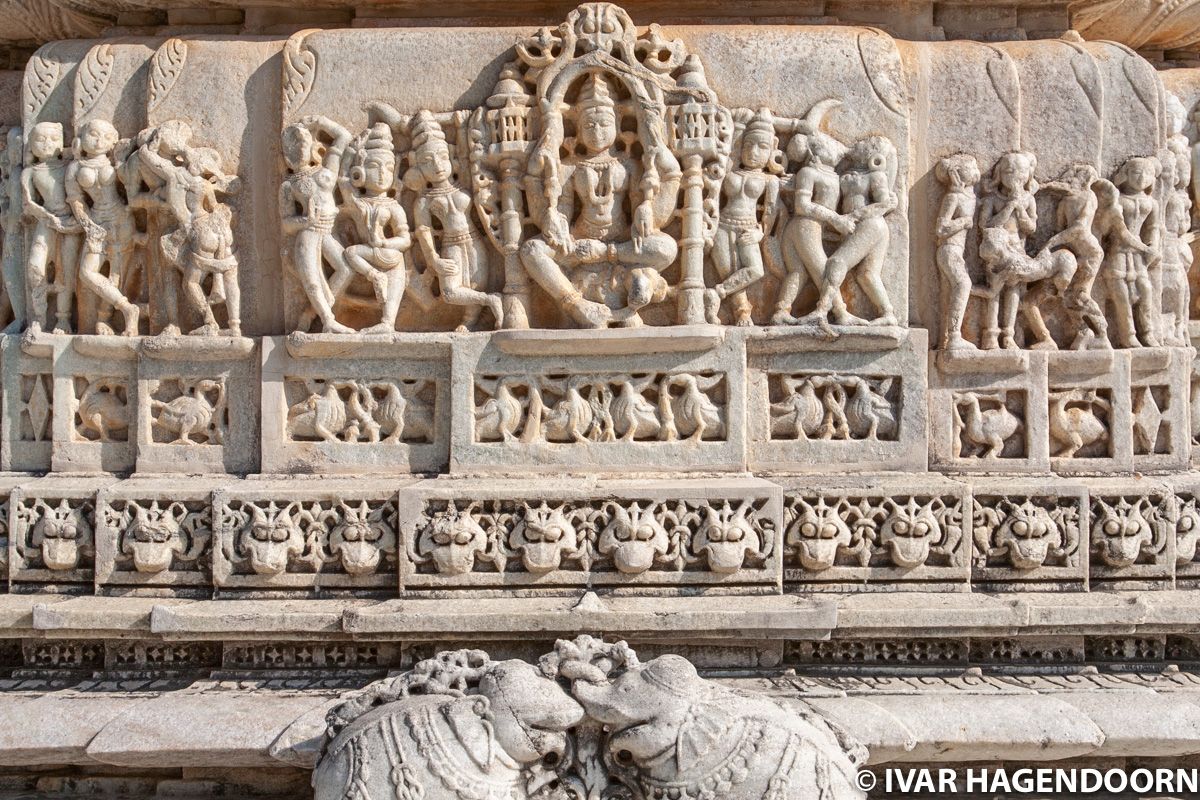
(835, 407)
(390, 411)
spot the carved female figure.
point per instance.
(200, 244)
(1010, 206)
(867, 197)
(380, 221)
(739, 246)
(94, 193)
(959, 174)
(309, 207)
(1129, 221)
(56, 234)
(461, 264)
(1076, 214)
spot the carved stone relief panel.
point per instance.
(1029, 534)
(1159, 382)
(988, 416)
(885, 532)
(150, 535)
(52, 534)
(28, 406)
(198, 405)
(1088, 412)
(337, 536)
(1132, 535)
(544, 402)
(385, 410)
(96, 405)
(812, 407)
(671, 533)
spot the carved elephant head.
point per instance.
(683, 736)
(446, 731)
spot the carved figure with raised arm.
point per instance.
(197, 240)
(960, 175)
(749, 209)
(379, 221)
(599, 265)
(309, 204)
(95, 193)
(1128, 218)
(1076, 215)
(12, 243)
(868, 196)
(55, 235)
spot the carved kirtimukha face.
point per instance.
(62, 534)
(726, 538)
(1028, 533)
(909, 532)
(546, 535)
(454, 541)
(361, 538)
(153, 540)
(816, 535)
(1187, 531)
(46, 141)
(271, 539)
(1120, 533)
(634, 539)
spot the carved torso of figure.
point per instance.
(97, 176)
(451, 207)
(47, 180)
(600, 183)
(376, 217)
(312, 191)
(743, 189)
(819, 185)
(861, 189)
(1136, 209)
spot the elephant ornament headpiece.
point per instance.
(459, 726)
(673, 734)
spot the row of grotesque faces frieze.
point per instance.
(602, 183)
(590, 720)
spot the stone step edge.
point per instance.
(819, 617)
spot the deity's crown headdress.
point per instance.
(426, 129)
(595, 93)
(762, 122)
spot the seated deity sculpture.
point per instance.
(55, 235)
(598, 261)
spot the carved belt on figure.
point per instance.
(459, 238)
(739, 223)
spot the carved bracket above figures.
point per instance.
(602, 183)
(591, 720)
